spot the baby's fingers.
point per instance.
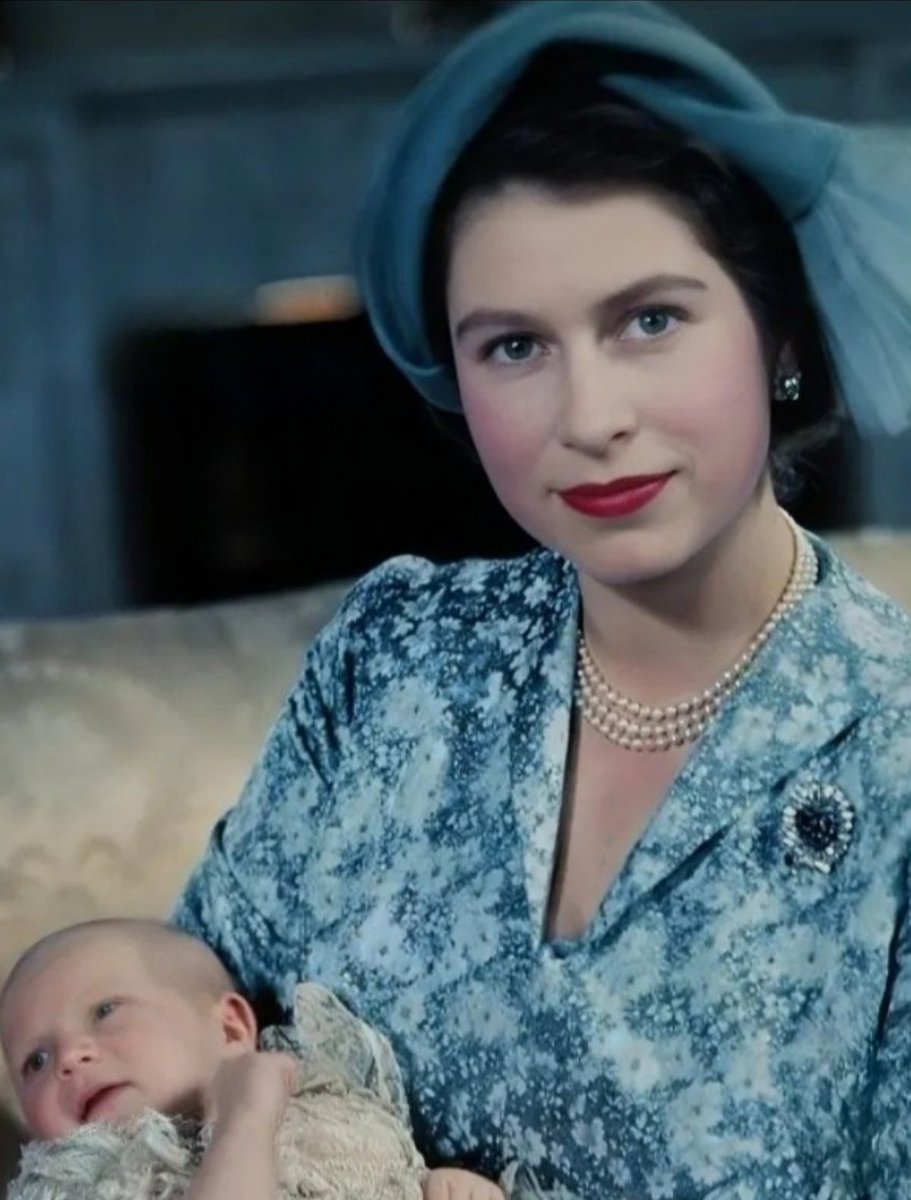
(450, 1183)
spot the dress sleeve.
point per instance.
(245, 896)
(886, 1136)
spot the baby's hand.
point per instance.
(252, 1088)
(449, 1183)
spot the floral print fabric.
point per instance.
(734, 1022)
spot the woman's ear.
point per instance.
(786, 361)
(237, 1023)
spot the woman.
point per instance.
(612, 840)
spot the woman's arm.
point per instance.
(885, 1133)
(246, 898)
(261, 892)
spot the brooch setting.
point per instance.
(818, 823)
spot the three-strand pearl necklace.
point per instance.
(637, 726)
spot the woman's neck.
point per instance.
(672, 636)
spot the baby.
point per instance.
(138, 1067)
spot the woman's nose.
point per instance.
(595, 406)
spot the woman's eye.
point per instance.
(35, 1062)
(515, 348)
(104, 1009)
(649, 324)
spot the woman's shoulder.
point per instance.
(453, 623)
(409, 588)
(862, 639)
(862, 620)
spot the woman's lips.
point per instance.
(618, 498)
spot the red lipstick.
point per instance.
(618, 498)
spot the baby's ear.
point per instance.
(237, 1023)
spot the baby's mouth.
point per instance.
(95, 1103)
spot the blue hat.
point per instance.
(846, 193)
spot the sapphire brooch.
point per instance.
(817, 826)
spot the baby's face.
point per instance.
(90, 1034)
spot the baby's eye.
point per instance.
(104, 1009)
(651, 323)
(513, 348)
(36, 1061)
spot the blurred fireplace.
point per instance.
(266, 457)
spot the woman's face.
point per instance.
(611, 375)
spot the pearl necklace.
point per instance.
(636, 726)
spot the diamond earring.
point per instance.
(787, 387)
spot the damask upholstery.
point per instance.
(123, 738)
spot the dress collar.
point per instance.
(808, 686)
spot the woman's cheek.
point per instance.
(508, 444)
(508, 415)
(722, 415)
(743, 451)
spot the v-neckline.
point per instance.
(712, 790)
(607, 787)
(604, 911)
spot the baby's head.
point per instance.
(104, 1019)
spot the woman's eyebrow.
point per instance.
(483, 318)
(642, 289)
(632, 294)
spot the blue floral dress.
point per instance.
(735, 1022)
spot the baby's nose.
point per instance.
(74, 1054)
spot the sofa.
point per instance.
(123, 738)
